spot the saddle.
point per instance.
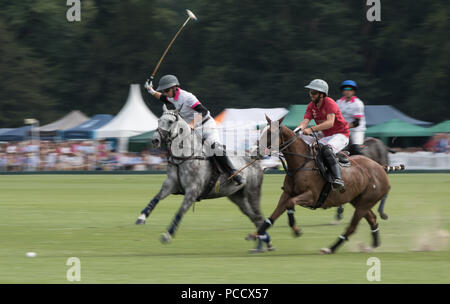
(343, 161)
(216, 171)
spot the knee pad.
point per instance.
(326, 151)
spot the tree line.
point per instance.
(244, 53)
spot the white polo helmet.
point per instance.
(167, 81)
(318, 85)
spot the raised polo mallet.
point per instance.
(190, 16)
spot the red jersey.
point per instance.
(329, 106)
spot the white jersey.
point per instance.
(353, 109)
(188, 102)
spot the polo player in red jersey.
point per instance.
(329, 120)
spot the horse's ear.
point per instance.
(164, 107)
(281, 119)
(268, 119)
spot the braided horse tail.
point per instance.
(394, 168)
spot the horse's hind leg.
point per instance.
(372, 220)
(292, 223)
(359, 213)
(253, 193)
(167, 188)
(241, 200)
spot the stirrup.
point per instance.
(338, 185)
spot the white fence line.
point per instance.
(421, 160)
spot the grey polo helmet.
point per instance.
(318, 85)
(167, 81)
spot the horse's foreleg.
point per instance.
(188, 200)
(281, 207)
(287, 203)
(167, 188)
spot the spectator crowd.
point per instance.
(93, 155)
(74, 155)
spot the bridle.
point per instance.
(164, 134)
(285, 144)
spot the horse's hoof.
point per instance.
(297, 232)
(384, 216)
(251, 237)
(326, 251)
(270, 247)
(141, 219)
(140, 222)
(257, 250)
(365, 249)
(165, 238)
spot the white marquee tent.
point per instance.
(133, 119)
(238, 128)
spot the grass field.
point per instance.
(92, 217)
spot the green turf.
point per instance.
(92, 217)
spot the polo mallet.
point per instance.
(190, 16)
(242, 169)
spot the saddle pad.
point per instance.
(212, 181)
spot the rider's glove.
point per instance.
(149, 87)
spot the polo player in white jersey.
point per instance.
(175, 97)
(352, 108)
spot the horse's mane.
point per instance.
(180, 120)
(291, 133)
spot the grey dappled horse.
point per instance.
(375, 149)
(190, 175)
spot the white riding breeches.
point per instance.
(336, 141)
(356, 137)
(210, 134)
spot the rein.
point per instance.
(293, 172)
(169, 144)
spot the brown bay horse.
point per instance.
(366, 182)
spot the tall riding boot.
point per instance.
(355, 150)
(227, 165)
(335, 168)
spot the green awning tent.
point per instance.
(443, 127)
(375, 115)
(140, 142)
(295, 116)
(398, 128)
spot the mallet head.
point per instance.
(191, 15)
